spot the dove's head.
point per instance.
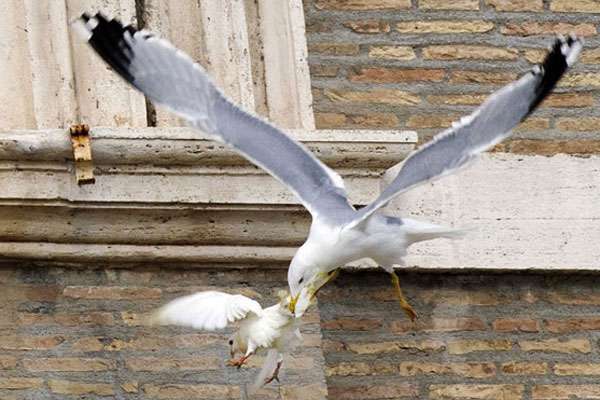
(284, 303)
(234, 345)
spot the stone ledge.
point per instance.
(168, 196)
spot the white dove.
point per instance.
(339, 233)
(274, 328)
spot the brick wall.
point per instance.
(478, 337)
(67, 333)
(421, 64)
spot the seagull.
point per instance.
(339, 232)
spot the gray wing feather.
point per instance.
(170, 78)
(487, 126)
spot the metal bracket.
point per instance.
(82, 154)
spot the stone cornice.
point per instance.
(168, 196)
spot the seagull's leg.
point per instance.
(410, 312)
(275, 376)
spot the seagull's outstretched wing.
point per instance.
(209, 310)
(170, 78)
(487, 126)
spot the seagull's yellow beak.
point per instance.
(292, 305)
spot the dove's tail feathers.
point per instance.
(268, 368)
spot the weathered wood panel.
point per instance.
(525, 212)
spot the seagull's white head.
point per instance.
(300, 275)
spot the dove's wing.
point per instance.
(488, 125)
(170, 78)
(206, 310)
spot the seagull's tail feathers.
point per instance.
(267, 369)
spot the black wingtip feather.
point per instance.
(109, 42)
(552, 69)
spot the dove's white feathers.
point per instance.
(208, 311)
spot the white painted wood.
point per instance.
(287, 78)
(526, 212)
(104, 98)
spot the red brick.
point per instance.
(566, 392)
(449, 4)
(25, 342)
(374, 120)
(572, 324)
(368, 26)
(389, 391)
(516, 325)
(83, 319)
(334, 48)
(516, 5)
(426, 346)
(467, 370)
(583, 369)
(8, 362)
(557, 345)
(547, 28)
(524, 368)
(469, 52)
(362, 5)
(482, 77)
(484, 392)
(396, 75)
(439, 325)
(382, 96)
(158, 364)
(582, 124)
(325, 120)
(551, 147)
(422, 121)
(181, 391)
(578, 6)
(361, 369)
(477, 345)
(445, 26)
(329, 71)
(68, 364)
(80, 388)
(18, 383)
(111, 293)
(460, 297)
(352, 324)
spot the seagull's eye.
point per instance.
(230, 342)
(301, 280)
